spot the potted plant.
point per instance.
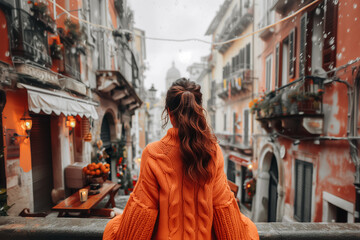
(3, 203)
(42, 15)
(74, 33)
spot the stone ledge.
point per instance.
(90, 229)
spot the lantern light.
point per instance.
(70, 122)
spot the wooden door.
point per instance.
(273, 197)
(41, 161)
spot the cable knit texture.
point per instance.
(166, 205)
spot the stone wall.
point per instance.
(90, 229)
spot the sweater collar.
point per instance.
(171, 137)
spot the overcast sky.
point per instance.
(176, 19)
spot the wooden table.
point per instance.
(87, 208)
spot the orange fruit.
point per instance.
(88, 166)
(97, 172)
(84, 169)
(92, 173)
(106, 170)
(102, 168)
(107, 165)
(88, 172)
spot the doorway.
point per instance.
(273, 196)
(41, 162)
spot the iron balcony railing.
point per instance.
(303, 96)
(28, 38)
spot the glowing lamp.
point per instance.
(70, 122)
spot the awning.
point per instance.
(58, 102)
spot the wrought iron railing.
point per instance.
(28, 38)
(303, 96)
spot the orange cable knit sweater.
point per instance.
(165, 205)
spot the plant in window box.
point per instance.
(254, 106)
(74, 33)
(42, 15)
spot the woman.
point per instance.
(182, 192)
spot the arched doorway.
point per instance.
(273, 184)
(107, 135)
(270, 196)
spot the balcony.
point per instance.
(235, 142)
(236, 83)
(28, 38)
(113, 85)
(295, 109)
(285, 6)
(67, 58)
(267, 19)
(237, 24)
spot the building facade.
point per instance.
(307, 159)
(74, 81)
(232, 88)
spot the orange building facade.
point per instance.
(307, 159)
(54, 73)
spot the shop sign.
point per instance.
(240, 160)
(42, 75)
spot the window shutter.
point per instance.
(277, 64)
(242, 58)
(292, 41)
(248, 49)
(329, 50)
(302, 55)
(246, 127)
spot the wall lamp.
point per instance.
(26, 124)
(70, 122)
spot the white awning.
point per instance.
(58, 102)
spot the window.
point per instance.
(303, 191)
(302, 55)
(277, 65)
(285, 62)
(268, 67)
(292, 53)
(317, 45)
(246, 128)
(231, 170)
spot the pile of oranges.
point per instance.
(97, 169)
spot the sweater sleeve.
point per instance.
(140, 214)
(228, 221)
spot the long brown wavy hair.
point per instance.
(197, 142)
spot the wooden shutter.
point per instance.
(329, 50)
(292, 53)
(242, 58)
(302, 55)
(248, 56)
(277, 65)
(246, 127)
(303, 191)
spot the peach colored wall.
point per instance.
(112, 13)
(333, 169)
(16, 104)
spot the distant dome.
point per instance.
(173, 73)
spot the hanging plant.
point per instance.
(74, 33)
(3, 203)
(42, 15)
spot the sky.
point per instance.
(175, 19)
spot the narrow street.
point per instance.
(84, 92)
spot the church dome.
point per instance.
(173, 73)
